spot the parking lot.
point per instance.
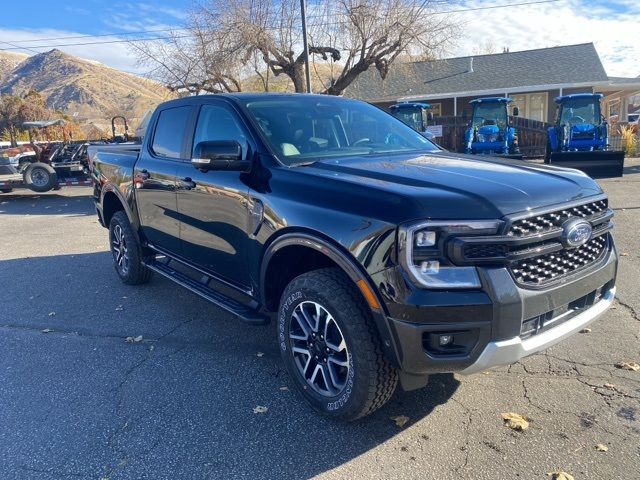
(79, 401)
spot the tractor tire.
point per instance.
(547, 153)
(331, 347)
(127, 252)
(40, 177)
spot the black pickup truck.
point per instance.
(381, 257)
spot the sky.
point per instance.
(613, 26)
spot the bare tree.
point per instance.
(228, 41)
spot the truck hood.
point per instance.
(448, 185)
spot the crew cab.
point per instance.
(382, 258)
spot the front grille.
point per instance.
(486, 250)
(540, 270)
(553, 220)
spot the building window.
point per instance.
(532, 105)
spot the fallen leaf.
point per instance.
(259, 354)
(52, 314)
(47, 330)
(137, 339)
(601, 447)
(560, 475)
(260, 409)
(515, 421)
(632, 366)
(401, 420)
(284, 389)
(586, 330)
(119, 308)
(610, 386)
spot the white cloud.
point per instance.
(612, 27)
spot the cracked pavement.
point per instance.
(80, 402)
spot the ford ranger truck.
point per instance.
(381, 258)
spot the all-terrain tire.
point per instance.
(371, 380)
(40, 177)
(127, 251)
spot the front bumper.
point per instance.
(490, 323)
(506, 352)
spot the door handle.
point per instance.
(187, 183)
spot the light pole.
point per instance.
(303, 12)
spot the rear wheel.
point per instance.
(40, 177)
(127, 251)
(331, 348)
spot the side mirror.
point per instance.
(516, 111)
(219, 155)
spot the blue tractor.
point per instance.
(490, 131)
(580, 137)
(416, 115)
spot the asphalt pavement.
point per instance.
(79, 401)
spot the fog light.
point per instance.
(445, 340)
(430, 267)
(425, 239)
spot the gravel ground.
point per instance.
(77, 401)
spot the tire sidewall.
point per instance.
(51, 173)
(349, 401)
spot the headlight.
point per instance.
(422, 248)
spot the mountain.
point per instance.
(82, 89)
(9, 61)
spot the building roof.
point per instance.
(565, 65)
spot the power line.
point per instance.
(112, 34)
(95, 43)
(140, 32)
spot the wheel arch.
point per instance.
(112, 202)
(293, 246)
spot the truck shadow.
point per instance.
(181, 398)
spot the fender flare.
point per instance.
(110, 188)
(353, 271)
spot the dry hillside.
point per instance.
(83, 89)
(9, 61)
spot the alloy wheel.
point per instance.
(119, 247)
(319, 349)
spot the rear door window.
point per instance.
(169, 134)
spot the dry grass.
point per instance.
(630, 140)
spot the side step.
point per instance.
(245, 313)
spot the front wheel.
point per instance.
(331, 348)
(127, 251)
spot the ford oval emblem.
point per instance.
(576, 232)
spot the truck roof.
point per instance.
(492, 100)
(400, 106)
(578, 95)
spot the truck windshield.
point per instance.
(580, 110)
(411, 117)
(489, 114)
(303, 129)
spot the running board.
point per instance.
(244, 312)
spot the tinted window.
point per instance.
(167, 139)
(216, 122)
(310, 128)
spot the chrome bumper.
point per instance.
(506, 352)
